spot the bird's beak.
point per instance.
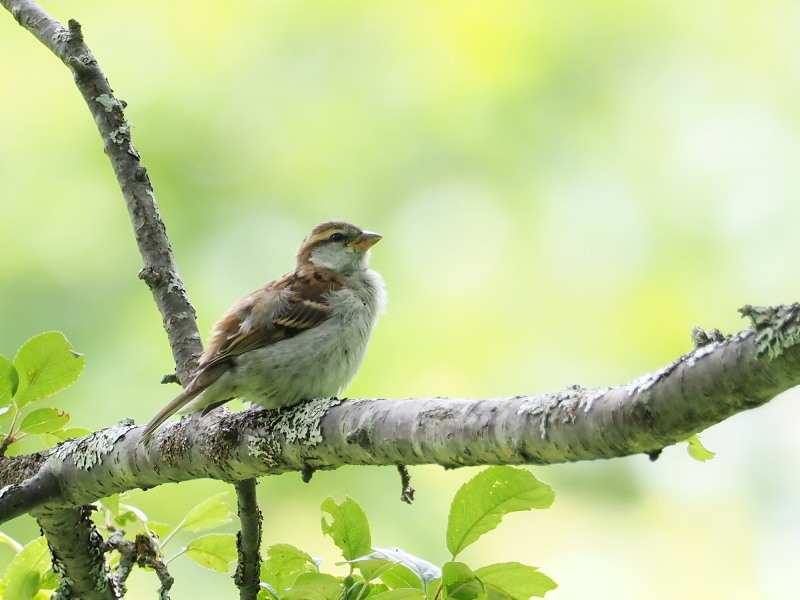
(366, 240)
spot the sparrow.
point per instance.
(300, 337)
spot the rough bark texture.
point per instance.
(248, 541)
(77, 551)
(719, 379)
(159, 271)
(701, 388)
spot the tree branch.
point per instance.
(701, 388)
(74, 549)
(248, 540)
(159, 271)
(77, 553)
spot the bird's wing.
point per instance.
(288, 306)
(283, 308)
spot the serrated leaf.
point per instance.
(400, 576)
(371, 568)
(8, 380)
(62, 435)
(211, 512)
(71, 432)
(315, 586)
(460, 583)
(160, 530)
(215, 551)
(481, 503)
(515, 581)
(290, 557)
(407, 594)
(284, 565)
(697, 451)
(407, 569)
(111, 504)
(348, 528)
(45, 364)
(43, 420)
(23, 576)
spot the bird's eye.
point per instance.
(337, 237)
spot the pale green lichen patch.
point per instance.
(88, 451)
(300, 424)
(265, 449)
(777, 328)
(107, 102)
(120, 135)
(303, 423)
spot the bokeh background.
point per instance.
(564, 190)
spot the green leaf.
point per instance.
(697, 451)
(459, 583)
(266, 593)
(481, 503)
(515, 581)
(160, 530)
(111, 504)
(211, 512)
(49, 581)
(62, 435)
(407, 594)
(9, 379)
(284, 565)
(349, 527)
(129, 513)
(407, 570)
(315, 586)
(43, 420)
(286, 554)
(23, 577)
(213, 551)
(371, 568)
(45, 364)
(71, 432)
(400, 576)
(9, 541)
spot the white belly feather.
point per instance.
(317, 363)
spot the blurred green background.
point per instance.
(564, 190)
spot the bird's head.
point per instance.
(337, 245)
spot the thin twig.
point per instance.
(248, 540)
(407, 492)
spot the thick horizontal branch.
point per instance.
(703, 387)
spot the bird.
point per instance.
(300, 337)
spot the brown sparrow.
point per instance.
(300, 337)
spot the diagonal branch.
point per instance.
(159, 271)
(701, 388)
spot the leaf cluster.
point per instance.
(44, 365)
(393, 574)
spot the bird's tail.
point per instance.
(170, 409)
